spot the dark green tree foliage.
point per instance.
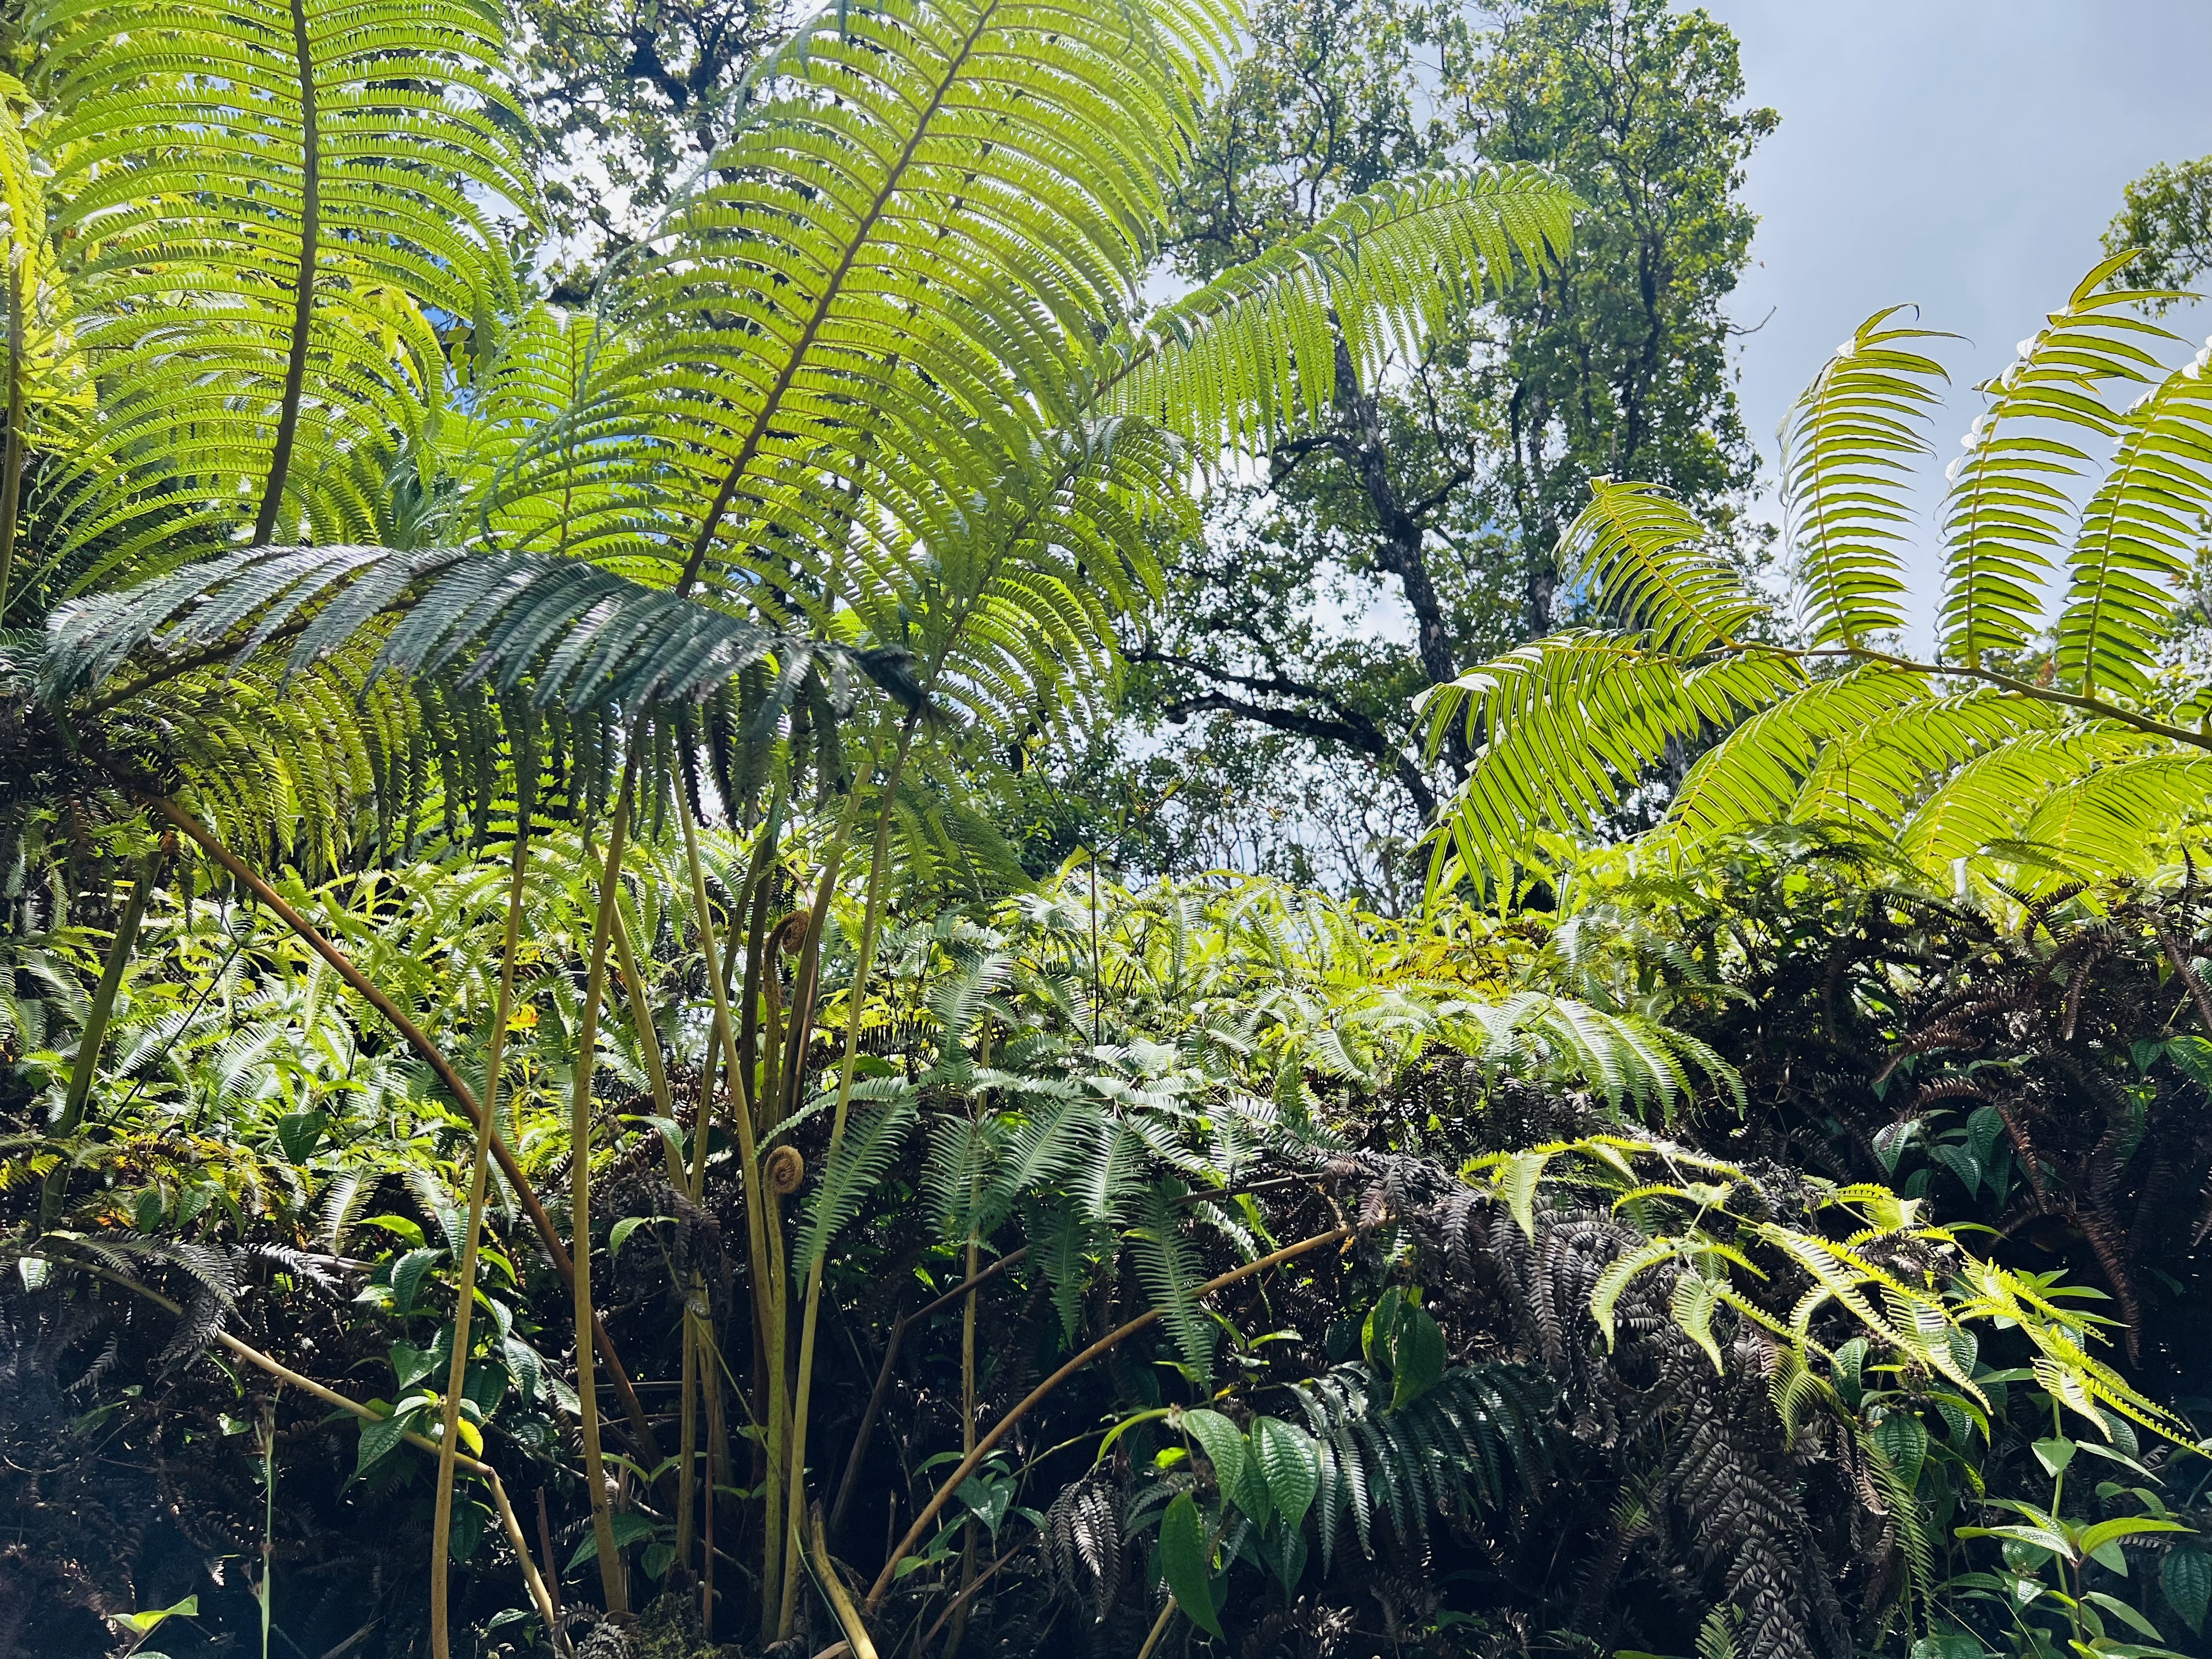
(630, 98)
(1617, 365)
(2166, 219)
(1380, 549)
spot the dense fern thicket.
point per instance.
(541, 1112)
(1723, 1361)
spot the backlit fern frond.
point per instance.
(2022, 776)
(1847, 446)
(2138, 534)
(1648, 556)
(1254, 350)
(2011, 493)
(889, 282)
(265, 207)
(1561, 727)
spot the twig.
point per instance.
(1112, 1340)
(308, 1385)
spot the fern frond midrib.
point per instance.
(765, 416)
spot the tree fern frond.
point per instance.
(2125, 818)
(1564, 726)
(1254, 350)
(870, 1143)
(582, 636)
(2009, 496)
(893, 271)
(1982, 809)
(2138, 534)
(1169, 1270)
(1758, 772)
(1848, 446)
(1647, 557)
(262, 206)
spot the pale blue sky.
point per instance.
(1965, 154)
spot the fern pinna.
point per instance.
(2015, 763)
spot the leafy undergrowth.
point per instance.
(1595, 1337)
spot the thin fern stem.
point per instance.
(11, 459)
(864, 959)
(613, 1577)
(266, 1592)
(725, 1040)
(463, 1096)
(487, 1131)
(95, 1034)
(763, 1272)
(648, 1042)
(840, 1599)
(701, 1376)
(1105, 1345)
(687, 1432)
(1160, 1629)
(959, 1629)
(303, 282)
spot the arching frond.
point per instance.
(583, 637)
(1847, 447)
(1254, 350)
(2010, 492)
(269, 209)
(2012, 775)
(2022, 802)
(2138, 534)
(1565, 726)
(891, 278)
(1649, 558)
(1758, 772)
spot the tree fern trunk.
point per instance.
(303, 282)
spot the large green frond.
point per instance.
(1756, 774)
(580, 636)
(897, 273)
(1649, 560)
(1848, 446)
(273, 214)
(2138, 536)
(1254, 350)
(1562, 727)
(2082, 799)
(2011, 492)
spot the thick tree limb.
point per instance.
(1341, 724)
